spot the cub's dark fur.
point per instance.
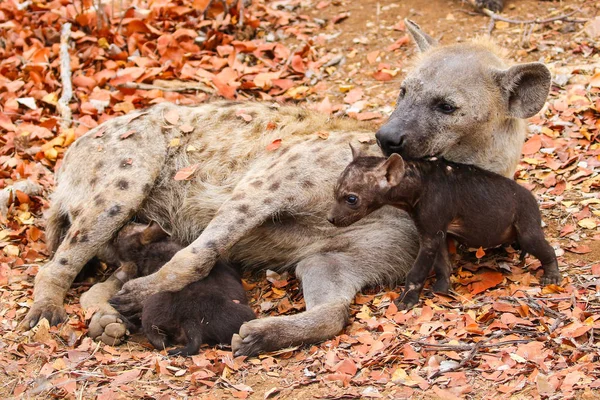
(477, 207)
(208, 311)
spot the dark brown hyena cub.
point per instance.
(477, 207)
(208, 311)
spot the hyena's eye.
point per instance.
(351, 199)
(446, 108)
(402, 92)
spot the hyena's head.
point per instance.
(362, 187)
(459, 102)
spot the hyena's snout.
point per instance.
(390, 139)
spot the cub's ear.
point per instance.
(525, 88)
(153, 233)
(392, 170)
(424, 41)
(356, 153)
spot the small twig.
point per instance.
(496, 17)
(462, 362)
(65, 78)
(179, 88)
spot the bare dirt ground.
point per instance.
(499, 336)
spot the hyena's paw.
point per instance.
(258, 336)
(492, 5)
(54, 313)
(129, 300)
(108, 328)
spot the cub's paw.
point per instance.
(408, 300)
(109, 328)
(55, 314)
(550, 278)
(492, 5)
(441, 286)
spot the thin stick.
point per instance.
(497, 17)
(180, 88)
(65, 78)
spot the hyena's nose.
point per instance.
(389, 139)
(331, 219)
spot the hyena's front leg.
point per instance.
(106, 323)
(92, 229)
(329, 283)
(253, 202)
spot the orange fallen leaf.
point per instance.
(274, 145)
(533, 145)
(185, 173)
(186, 128)
(486, 280)
(127, 134)
(480, 252)
(172, 117)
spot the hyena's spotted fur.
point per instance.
(255, 206)
(258, 207)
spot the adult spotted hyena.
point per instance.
(261, 206)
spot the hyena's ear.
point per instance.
(423, 40)
(153, 233)
(355, 152)
(392, 170)
(525, 87)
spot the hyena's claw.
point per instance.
(408, 301)
(55, 314)
(127, 302)
(108, 328)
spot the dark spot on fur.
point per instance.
(290, 199)
(290, 176)
(94, 180)
(84, 238)
(99, 164)
(243, 208)
(147, 187)
(238, 196)
(282, 152)
(268, 200)
(241, 221)
(114, 210)
(230, 104)
(98, 200)
(126, 163)
(211, 244)
(73, 239)
(301, 115)
(273, 165)
(294, 157)
(195, 250)
(63, 261)
(123, 184)
(257, 183)
(274, 186)
(307, 184)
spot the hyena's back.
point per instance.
(140, 154)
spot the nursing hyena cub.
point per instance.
(474, 206)
(266, 205)
(209, 311)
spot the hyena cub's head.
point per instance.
(459, 100)
(362, 187)
(134, 237)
